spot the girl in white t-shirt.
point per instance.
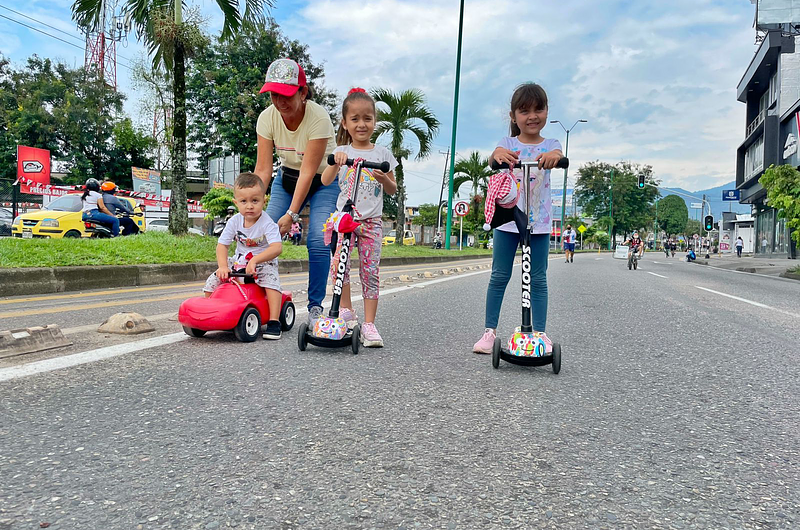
(358, 124)
(528, 118)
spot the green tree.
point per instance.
(401, 115)
(672, 215)
(428, 215)
(217, 201)
(72, 114)
(783, 193)
(171, 42)
(473, 169)
(631, 205)
(222, 90)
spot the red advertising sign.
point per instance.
(33, 164)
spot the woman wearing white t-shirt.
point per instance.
(95, 210)
(301, 133)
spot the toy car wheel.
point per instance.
(301, 336)
(287, 316)
(249, 327)
(556, 357)
(496, 349)
(194, 332)
(356, 339)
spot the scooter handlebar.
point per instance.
(562, 164)
(383, 166)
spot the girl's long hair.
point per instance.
(342, 136)
(528, 96)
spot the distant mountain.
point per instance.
(714, 198)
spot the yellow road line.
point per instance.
(109, 292)
(96, 305)
(99, 293)
(51, 310)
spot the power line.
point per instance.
(80, 39)
(40, 22)
(54, 37)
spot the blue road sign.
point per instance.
(730, 195)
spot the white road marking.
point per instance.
(68, 361)
(90, 356)
(597, 259)
(745, 300)
(654, 274)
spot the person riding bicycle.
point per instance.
(116, 207)
(635, 244)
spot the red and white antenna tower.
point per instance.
(101, 44)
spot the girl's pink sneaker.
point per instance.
(547, 342)
(485, 344)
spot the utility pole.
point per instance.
(453, 139)
(441, 190)
(611, 211)
(564, 190)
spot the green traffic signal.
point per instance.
(641, 181)
(709, 223)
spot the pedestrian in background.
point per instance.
(739, 246)
(569, 244)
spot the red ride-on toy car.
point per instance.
(236, 307)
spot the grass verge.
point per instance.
(152, 248)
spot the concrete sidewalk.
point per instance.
(753, 264)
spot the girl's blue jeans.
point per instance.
(97, 216)
(505, 249)
(321, 205)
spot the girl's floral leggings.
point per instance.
(368, 238)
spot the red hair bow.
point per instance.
(356, 89)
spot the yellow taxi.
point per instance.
(61, 218)
(408, 238)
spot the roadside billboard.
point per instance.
(146, 180)
(33, 166)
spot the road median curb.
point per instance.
(46, 280)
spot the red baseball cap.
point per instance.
(284, 77)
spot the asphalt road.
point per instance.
(676, 407)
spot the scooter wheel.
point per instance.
(287, 316)
(629, 265)
(497, 347)
(249, 327)
(635, 265)
(194, 332)
(556, 357)
(301, 336)
(356, 339)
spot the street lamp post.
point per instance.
(564, 189)
(453, 139)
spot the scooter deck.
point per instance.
(525, 360)
(344, 342)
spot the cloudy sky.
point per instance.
(655, 80)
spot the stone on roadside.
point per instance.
(126, 324)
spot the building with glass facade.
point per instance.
(771, 90)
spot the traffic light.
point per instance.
(641, 181)
(709, 222)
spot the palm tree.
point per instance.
(473, 169)
(402, 114)
(170, 40)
